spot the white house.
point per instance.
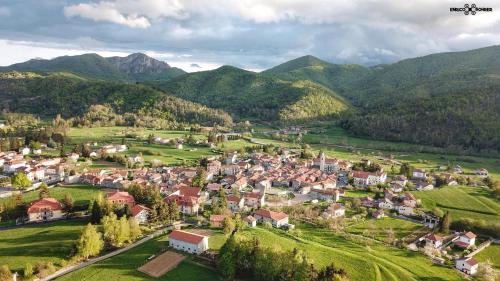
(467, 265)
(419, 174)
(433, 240)
(25, 150)
(277, 219)
(45, 209)
(466, 240)
(188, 242)
(140, 213)
(335, 210)
(386, 203)
(365, 179)
(235, 203)
(121, 147)
(13, 165)
(405, 210)
(251, 221)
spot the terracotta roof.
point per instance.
(270, 214)
(138, 208)
(186, 237)
(217, 218)
(44, 203)
(471, 261)
(233, 198)
(121, 195)
(190, 191)
(434, 237)
(470, 235)
(249, 219)
(360, 174)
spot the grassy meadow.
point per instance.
(39, 243)
(462, 202)
(378, 228)
(124, 266)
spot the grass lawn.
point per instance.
(462, 202)
(124, 267)
(379, 227)
(376, 262)
(358, 193)
(491, 254)
(41, 243)
(82, 194)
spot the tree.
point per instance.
(406, 170)
(96, 213)
(5, 274)
(222, 201)
(28, 271)
(68, 203)
(445, 222)
(44, 191)
(200, 179)
(20, 180)
(90, 243)
(226, 261)
(229, 225)
(135, 229)
(390, 235)
(127, 212)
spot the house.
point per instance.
(230, 170)
(386, 204)
(25, 150)
(141, 213)
(213, 187)
(231, 158)
(214, 167)
(365, 179)
(74, 156)
(277, 219)
(433, 240)
(419, 174)
(424, 185)
(251, 221)
(121, 198)
(335, 210)
(121, 148)
(188, 242)
(325, 194)
(12, 165)
(466, 240)
(235, 203)
(326, 165)
(405, 210)
(217, 220)
(481, 172)
(109, 149)
(254, 199)
(378, 214)
(467, 265)
(45, 209)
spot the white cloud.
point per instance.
(132, 13)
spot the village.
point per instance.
(256, 187)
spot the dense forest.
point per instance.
(249, 95)
(61, 94)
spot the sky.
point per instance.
(199, 35)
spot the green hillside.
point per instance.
(135, 67)
(48, 95)
(249, 95)
(448, 100)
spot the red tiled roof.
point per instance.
(434, 237)
(217, 218)
(470, 235)
(233, 198)
(270, 214)
(190, 191)
(138, 208)
(186, 237)
(121, 195)
(44, 203)
(471, 261)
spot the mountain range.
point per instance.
(447, 99)
(132, 68)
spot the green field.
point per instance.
(491, 254)
(41, 243)
(124, 266)
(379, 227)
(462, 202)
(376, 262)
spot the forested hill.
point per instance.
(132, 68)
(447, 99)
(70, 96)
(249, 95)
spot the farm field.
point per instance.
(491, 254)
(39, 243)
(462, 202)
(380, 262)
(124, 267)
(377, 228)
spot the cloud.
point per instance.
(132, 13)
